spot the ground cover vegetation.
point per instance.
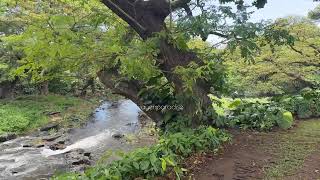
(26, 113)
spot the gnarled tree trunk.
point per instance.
(147, 18)
(7, 89)
(44, 88)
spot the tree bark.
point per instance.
(89, 83)
(147, 18)
(7, 89)
(44, 88)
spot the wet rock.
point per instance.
(114, 105)
(62, 141)
(7, 137)
(51, 138)
(39, 145)
(78, 159)
(41, 134)
(53, 113)
(27, 145)
(57, 146)
(83, 160)
(18, 170)
(49, 127)
(118, 135)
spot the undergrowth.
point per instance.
(304, 105)
(159, 159)
(249, 114)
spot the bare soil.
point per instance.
(251, 155)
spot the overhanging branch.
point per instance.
(125, 15)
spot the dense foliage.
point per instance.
(250, 114)
(304, 105)
(282, 69)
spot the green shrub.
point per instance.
(249, 114)
(158, 159)
(304, 105)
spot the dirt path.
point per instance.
(291, 155)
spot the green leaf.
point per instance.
(136, 165)
(163, 164)
(144, 165)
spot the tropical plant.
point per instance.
(304, 105)
(250, 114)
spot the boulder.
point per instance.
(57, 146)
(7, 137)
(27, 145)
(78, 159)
(49, 126)
(118, 135)
(51, 138)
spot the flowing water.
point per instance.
(18, 161)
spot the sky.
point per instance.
(281, 8)
(277, 9)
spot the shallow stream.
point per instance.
(22, 159)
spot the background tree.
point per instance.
(283, 69)
(315, 14)
(59, 41)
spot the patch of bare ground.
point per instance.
(289, 155)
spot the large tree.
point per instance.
(192, 18)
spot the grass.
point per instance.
(27, 113)
(292, 148)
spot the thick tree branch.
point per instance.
(306, 64)
(124, 12)
(204, 36)
(298, 51)
(177, 4)
(188, 10)
(316, 49)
